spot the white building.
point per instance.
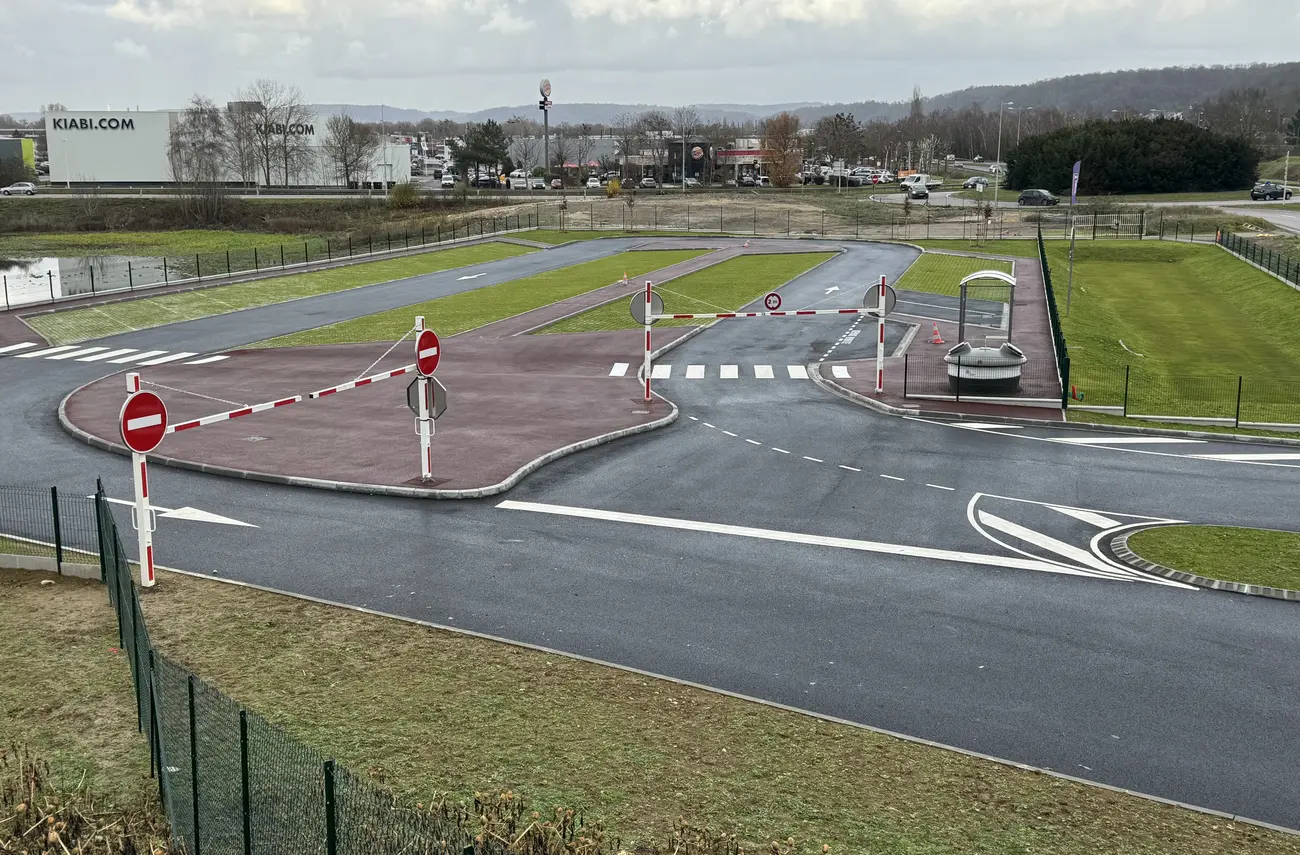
(130, 147)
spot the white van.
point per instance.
(922, 180)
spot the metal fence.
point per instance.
(229, 780)
(1283, 267)
(1226, 400)
(1061, 349)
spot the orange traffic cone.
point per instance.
(938, 339)
(746, 245)
(624, 277)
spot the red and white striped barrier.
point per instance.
(796, 312)
(364, 381)
(233, 414)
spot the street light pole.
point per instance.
(997, 164)
(1286, 176)
(67, 161)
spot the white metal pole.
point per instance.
(1286, 176)
(880, 340)
(1069, 288)
(141, 513)
(645, 365)
(425, 423)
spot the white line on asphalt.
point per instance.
(1246, 458)
(813, 459)
(1125, 440)
(13, 348)
(850, 468)
(693, 418)
(133, 357)
(695, 372)
(1087, 516)
(728, 433)
(984, 426)
(49, 351)
(893, 477)
(753, 442)
(1071, 553)
(797, 372)
(941, 487)
(619, 369)
(707, 425)
(840, 371)
(172, 357)
(763, 372)
(662, 371)
(207, 359)
(85, 351)
(729, 372)
(109, 355)
(780, 450)
(796, 537)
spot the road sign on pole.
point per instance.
(638, 307)
(143, 424)
(772, 301)
(437, 404)
(427, 398)
(872, 301)
(427, 353)
(881, 301)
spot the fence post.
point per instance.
(194, 768)
(245, 800)
(130, 278)
(58, 530)
(905, 375)
(1236, 421)
(1065, 383)
(1126, 370)
(331, 821)
(92, 276)
(370, 238)
(155, 744)
(198, 267)
(1094, 225)
(281, 256)
(49, 275)
(329, 250)
(256, 267)
(227, 264)
(99, 529)
(388, 236)
(957, 388)
(305, 258)
(756, 219)
(787, 222)
(422, 240)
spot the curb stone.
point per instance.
(371, 489)
(1119, 545)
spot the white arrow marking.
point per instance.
(472, 276)
(832, 288)
(186, 513)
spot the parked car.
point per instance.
(487, 182)
(518, 182)
(448, 180)
(916, 191)
(557, 184)
(975, 181)
(536, 183)
(22, 188)
(649, 182)
(1269, 191)
(1038, 197)
(747, 181)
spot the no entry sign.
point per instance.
(427, 353)
(143, 422)
(772, 301)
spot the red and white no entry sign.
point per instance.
(427, 353)
(772, 301)
(143, 422)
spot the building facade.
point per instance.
(131, 148)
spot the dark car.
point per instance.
(975, 181)
(1038, 197)
(487, 181)
(1269, 191)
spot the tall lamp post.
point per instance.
(997, 165)
(67, 161)
(545, 106)
(1020, 116)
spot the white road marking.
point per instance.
(813, 459)
(185, 513)
(983, 426)
(1125, 440)
(797, 372)
(695, 372)
(753, 442)
(662, 371)
(763, 372)
(707, 425)
(1247, 458)
(729, 372)
(472, 276)
(132, 358)
(728, 433)
(49, 351)
(1087, 516)
(169, 358)
(109, 355)
(1073, 554)
(941, 487)
(893, 477)
(780, 450)
(850, 468)
(798, 538)
(840, 371)
(619, 369)
(13, 348)
(693, 418)
(207, 359)
(85, 351)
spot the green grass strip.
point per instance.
(183, 242)
(1249, 555)
(942, 274)
(460, 312)
(723, 287)
(129, 316)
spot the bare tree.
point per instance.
(241, 121)
(196, 157)
(526, 151)
(627, 138)
(561, 150)
(349, 148)
(784, 147)
(280, 130)
(583, 145)
(655, 125)
(685, 121)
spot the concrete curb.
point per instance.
(49, 565)
(627, 669)
(1119, 545)
(369, 489)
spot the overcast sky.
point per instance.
(474, 54)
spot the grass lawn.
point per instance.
(1249, 555)
(460, 312)
(1276, 169)
(1198, 317)
(1074, 414)
(68, 694)
(175, 243)
(1004, 195)
(556, 236)
(1019, 248)
(128, 316)
(942, 274)
(425, 710)
(724, 287)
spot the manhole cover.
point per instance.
(254, 438)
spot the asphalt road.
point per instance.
(779, 542)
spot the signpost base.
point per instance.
(143, 519)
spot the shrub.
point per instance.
(613, 188)
(404, 195)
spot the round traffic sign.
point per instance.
(697, 153)
(142, 422)
(427, 353)
(871, 302)
(638, 307)
(772, 301)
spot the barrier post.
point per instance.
(880, 341)
(645, 365)
(142, 513)
(1236, 421)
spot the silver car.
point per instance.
(22, 188)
